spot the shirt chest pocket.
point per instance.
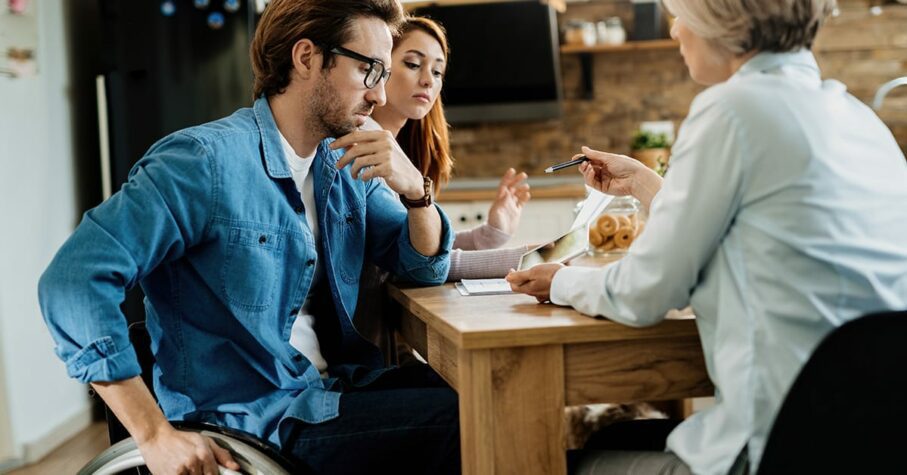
(351, 241)
(253, 259)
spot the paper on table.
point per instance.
(562, 249)
(573, 243)
(595, 203)
(484, 286)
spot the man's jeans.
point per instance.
(406, 422)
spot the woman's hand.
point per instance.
(375, 153)
(619, 175)
(535, 281)
(513, 193)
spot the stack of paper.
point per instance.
(483, 287)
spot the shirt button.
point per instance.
(310, 262)
(297, 357)
(298, 209)
(262, 239)
(294, 311)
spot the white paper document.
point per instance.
(483, 287)
(595, 203)
(573, 243)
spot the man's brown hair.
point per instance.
(324, 22)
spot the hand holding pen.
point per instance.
(617, 175)
(576, 161)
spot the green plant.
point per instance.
(662, 167)
(643, 140)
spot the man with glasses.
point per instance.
(248, 236)
(376, 71)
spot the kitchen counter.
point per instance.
(485, 189)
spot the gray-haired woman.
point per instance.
(781, 218)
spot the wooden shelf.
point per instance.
(559, 5)
(628, 46)
(586, 53)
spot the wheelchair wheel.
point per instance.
(254, 457)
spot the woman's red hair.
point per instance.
(426, 141)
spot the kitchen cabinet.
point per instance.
(542, 219)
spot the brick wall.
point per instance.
(860, 49)
(864, 51)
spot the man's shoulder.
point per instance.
(240, 123)
(217, 141)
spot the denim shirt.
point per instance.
(211, 226)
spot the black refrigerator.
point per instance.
(166, 65)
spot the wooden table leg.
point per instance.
(512, 410)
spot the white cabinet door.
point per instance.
(542, 220)
(465, 215)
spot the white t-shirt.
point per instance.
(302, 335)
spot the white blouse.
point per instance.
(783, 215)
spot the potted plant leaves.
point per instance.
(652, 149)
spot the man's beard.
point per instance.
(327, 113)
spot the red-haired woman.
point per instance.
(415, 116)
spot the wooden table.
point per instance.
(516, 364)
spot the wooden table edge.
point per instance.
(485, 339)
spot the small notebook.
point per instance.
(483, 287)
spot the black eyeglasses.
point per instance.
(376, 68)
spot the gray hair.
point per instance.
(741, 26)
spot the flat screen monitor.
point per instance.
(504, 63)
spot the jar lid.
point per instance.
(623, 203)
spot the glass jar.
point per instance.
(579, 32)
(616, 33)
(590, 36)
(601, 30)
(615, 229)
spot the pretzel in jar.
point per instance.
(613, 232)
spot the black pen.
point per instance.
(576, 161)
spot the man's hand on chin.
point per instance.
(535, 281)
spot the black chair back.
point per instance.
(847, 410)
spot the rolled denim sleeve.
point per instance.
(160, 211)
(388, 237)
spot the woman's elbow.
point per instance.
(643, 321)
